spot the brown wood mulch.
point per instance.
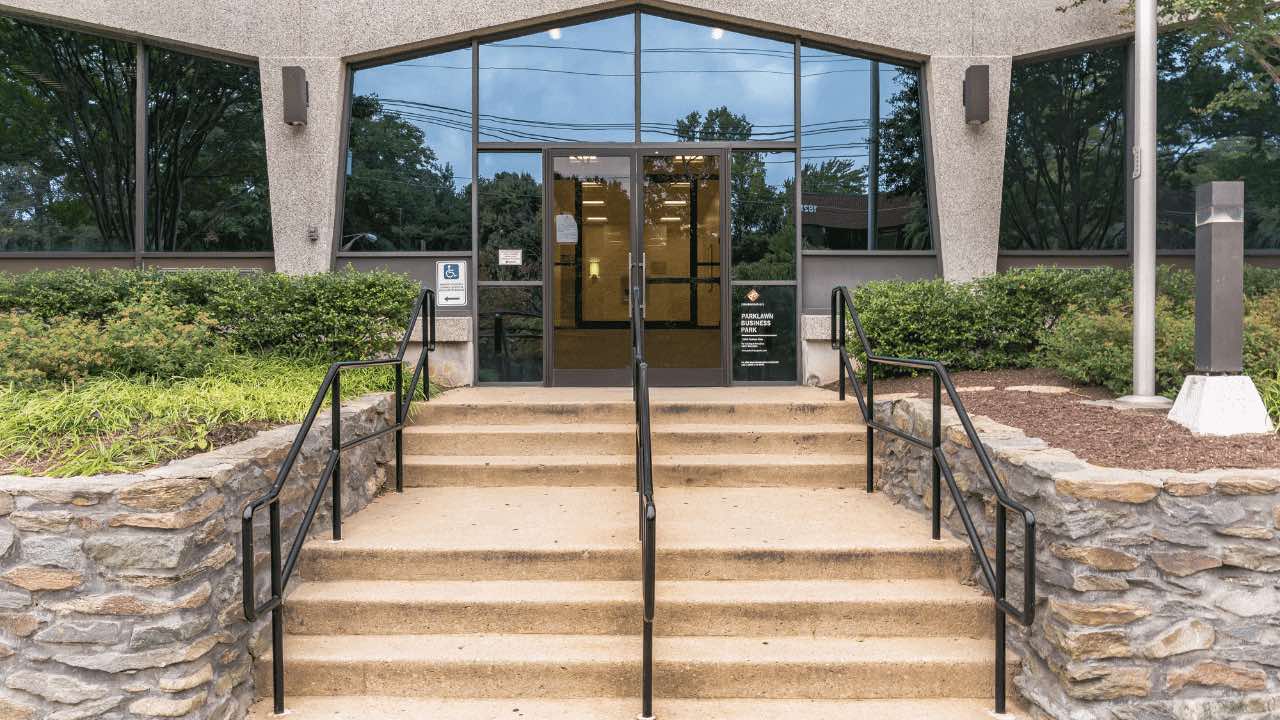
(1100, 435)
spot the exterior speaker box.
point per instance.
(977, 94)
(296, 94)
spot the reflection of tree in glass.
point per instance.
(66, 140)
(207, 155)
(1064, 165)
(510, 218)
(398, 195)
(1201, 142)
(762, 225)
(903, 179)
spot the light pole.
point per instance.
(1144, 211)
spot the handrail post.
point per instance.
(277, 612)
(335, 412)
(1001, 620)
(400, 424)
(841, 339)
(937, 444)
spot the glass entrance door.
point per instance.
(598, 235)
(680, 226)
(591, 220)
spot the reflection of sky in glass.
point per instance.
(433, 93)
(694, 68)
(779, 168)
(524, 163)
(835, 104)
(571, 83)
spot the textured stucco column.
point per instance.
(968, 165)
(302, 164)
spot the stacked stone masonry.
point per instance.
(120, 595)
(1158, 590)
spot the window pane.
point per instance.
(66, 140)
(1064, 160)
(902, 215)
(206, 154)
(705, 83)
(1229, 143)
(409, 156)
(835, 122)
(510, 335)
(761, 205)
(574, 83)
(510, 192)
(764, 333)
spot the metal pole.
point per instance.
(335, 414)
(400, 424)
(871, 438)
(1144, 201)
(1001, 620)
(873, 159)
(277, 613)
(937, 443)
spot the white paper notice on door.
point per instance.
(510, 257)
(566, 229)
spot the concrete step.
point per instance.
(770, 608)
(595, 666)
(506, 412)
(305, 707)
(589, 533)
(619, 470)
(619, 439)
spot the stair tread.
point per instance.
(674, 591)
(562, 649)
(396, 708)
(541, 518)
(627, 459)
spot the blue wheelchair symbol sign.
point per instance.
(452, 271)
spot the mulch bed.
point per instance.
(1100, 435)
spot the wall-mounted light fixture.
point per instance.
(593, 268)
(296, 94)
(977, 94)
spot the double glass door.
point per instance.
(652, 218)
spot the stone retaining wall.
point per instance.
(1158, 595)
(120, 594)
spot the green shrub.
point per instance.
(144, 337)
(1097, 348)
(325, 317)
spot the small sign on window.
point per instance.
(511, 257)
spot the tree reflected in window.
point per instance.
(66, 140)
(1064, 158)
(207, 156)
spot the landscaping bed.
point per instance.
(115, 371)
(1101, 435)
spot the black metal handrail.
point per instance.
(648, 510)
(331, 476)
(842, 306)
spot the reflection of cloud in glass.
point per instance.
(577, 85)
(684, 70)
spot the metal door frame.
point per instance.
(635, 152)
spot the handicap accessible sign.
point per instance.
(451, 283)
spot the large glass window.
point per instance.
(575, 83)
(1064, 159)
(1200, 142)
(707, 83)
(762, 215)
(409, 156)
(510, 200)
(861, 126)
(66, 140)
(206, 155)
(510, 335)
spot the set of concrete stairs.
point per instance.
(504, 582)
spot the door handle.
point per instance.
(644, 285)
